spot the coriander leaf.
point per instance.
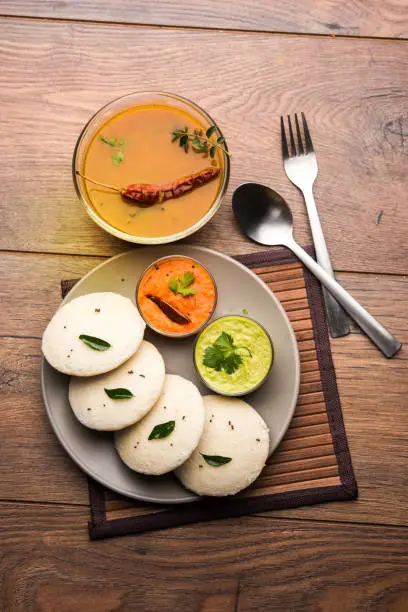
(213, 358)
(95, 343)
(162, 431)
(119, 394)
(121, 143)
(213, 151)
(111, 142)
(221, 139)
(104, 140)
(210, 131)
(232, 363)
(187, 291)
(173, 285)
(187, 279)
(223, 355)
(182, 284)
(216, 460)
(118, 157)
(224, 341)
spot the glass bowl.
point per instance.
(162, 332)
(110, 110)
(214, 387)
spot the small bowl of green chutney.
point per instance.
(233, 355)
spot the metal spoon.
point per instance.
(264, 216)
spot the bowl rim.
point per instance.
(258, 384)
(158, 330)
(151, 240)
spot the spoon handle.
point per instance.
(381, 337)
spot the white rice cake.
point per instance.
(233, 430)
(180, 408)
(110, 317)
(142, 375)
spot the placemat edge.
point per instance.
(202, 511)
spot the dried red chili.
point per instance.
(170, 311)
(144, 193)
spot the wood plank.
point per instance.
(373, 392)
(354, 92)
(223, 565)
(350, 17)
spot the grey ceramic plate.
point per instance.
(238, 288)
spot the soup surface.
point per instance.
(136, 146)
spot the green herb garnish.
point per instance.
(95, 343)
(216, 460)
(162, 431)
(223, 354)
(108, 141)
(182, 284)
(115, 143)
(118, 157)
(119, 394)
(200, 143)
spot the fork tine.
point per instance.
(292, 140)
(285, 152)
(299, 136)
(308, 140)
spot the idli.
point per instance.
(121, 397)
(232, 450)
(169, 433)
(93, 334)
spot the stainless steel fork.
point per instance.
(301, 168)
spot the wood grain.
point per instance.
(350, 17)
(247, 564)
(373, 392)
(354, 92)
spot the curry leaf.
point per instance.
(216, 460)
(199, 143)
(162, 431)
(95, 343)
(119, 393)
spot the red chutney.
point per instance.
(176, 296)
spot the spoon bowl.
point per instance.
(264, 216)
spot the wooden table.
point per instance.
(346, 65)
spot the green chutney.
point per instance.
(254, 347)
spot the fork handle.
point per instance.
(382, 338)
(336, 316)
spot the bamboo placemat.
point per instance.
(311, 465)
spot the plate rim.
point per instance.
(193, 498)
